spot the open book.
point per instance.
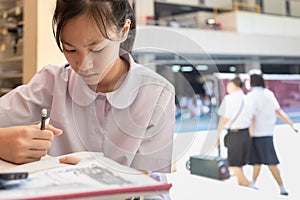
(94, 176)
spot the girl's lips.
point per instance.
(87, 75)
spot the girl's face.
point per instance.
(89, 54)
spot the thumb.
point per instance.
(73, 160)
(55, 131)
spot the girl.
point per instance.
(101, 100)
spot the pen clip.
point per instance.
(43, 118)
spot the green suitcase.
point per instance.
(209, 166)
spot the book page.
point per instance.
(94, 175)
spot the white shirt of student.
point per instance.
(133, 125)
(230, 107)
(264, 105)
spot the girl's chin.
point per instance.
(91, 82)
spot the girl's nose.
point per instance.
(85, 62)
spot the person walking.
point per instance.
(236, 118)
(265, 109)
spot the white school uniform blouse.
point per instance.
(133, 125)
(230, 107)
(264, 105)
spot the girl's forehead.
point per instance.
(84, 22)
(80, 30)
(85, 26)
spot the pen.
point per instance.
(43, 118)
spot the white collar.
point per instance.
(258, 88)
(120, 98)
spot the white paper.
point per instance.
(93, 173)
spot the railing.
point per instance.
(237, 6)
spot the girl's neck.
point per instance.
(114, 77)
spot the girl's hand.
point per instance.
(23, 144)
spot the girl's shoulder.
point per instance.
(54, 71)
(147, 76)
(144, 75)
(52, 74)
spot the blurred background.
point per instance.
(198, 45)
(222, 39)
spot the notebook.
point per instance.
(94, 176)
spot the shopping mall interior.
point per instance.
(201, 44)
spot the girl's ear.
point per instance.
(125, 30)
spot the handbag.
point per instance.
(231, 122)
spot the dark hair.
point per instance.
(103, 13)
(237, 81)
(257, 80)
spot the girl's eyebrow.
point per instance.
(102, 44)
(97, 42)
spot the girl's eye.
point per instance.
(99, 47)
(96, 50)
(69, 51)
